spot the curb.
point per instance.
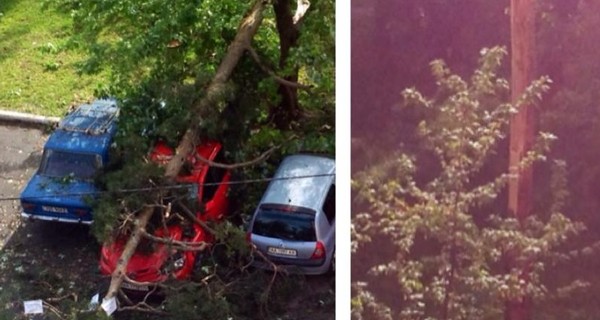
(12, 116)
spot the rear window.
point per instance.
(287, 223)
(60, 164)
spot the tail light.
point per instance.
(249, 237)
(319, 252)
(80, 212)
(27, 206)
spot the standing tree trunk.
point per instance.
(287, 26)
(245, 33)
(522, 131)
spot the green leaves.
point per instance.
(444, 247)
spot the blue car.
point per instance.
(74, 153)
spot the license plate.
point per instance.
(282, 251)
(54, 209)
(132, 286)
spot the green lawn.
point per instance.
(37, 72)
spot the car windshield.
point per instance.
(60, 164)
(285, 223)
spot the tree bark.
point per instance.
(118, 274)
(246, 31)
(522, 130)
(287, 26)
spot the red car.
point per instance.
(158, 264)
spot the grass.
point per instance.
(38, 74)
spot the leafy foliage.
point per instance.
(166, 52)
(444, 249)
(566, 44)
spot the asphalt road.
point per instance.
(38, 260)
(21, 149)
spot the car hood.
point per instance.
(145, 264)
(43, 189)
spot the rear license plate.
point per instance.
(132, 286)
(54, 209)
(282, 251)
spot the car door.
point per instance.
(215, 189)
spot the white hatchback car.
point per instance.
(294, 224)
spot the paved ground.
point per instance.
(38, 260)
(20, 154)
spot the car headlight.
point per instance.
(178, 264)
(174, 263)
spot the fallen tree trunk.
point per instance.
(118, 274)
(237, 47)
(246, 31)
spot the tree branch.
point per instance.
(54, 310)
(145, 307)
(178, 245)
(277, 78)
(119, 272)
(192, 216)
(260, 158)
(246, 31)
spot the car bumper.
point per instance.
(135, 293)
(142, 292)
(298, 267)
(52, 218)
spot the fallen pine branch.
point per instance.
(175, 244)
(246, 31)
(54, 310)
(248, 163)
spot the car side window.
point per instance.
(213, 177)
(329, 204)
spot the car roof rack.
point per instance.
(95, 118)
